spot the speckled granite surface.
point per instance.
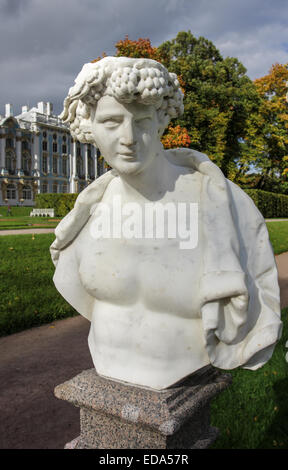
(116, 415)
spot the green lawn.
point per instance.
(20, 219)
(253, 412)
(278, 232)
(22, 222)
(28, 296)
(17, 211)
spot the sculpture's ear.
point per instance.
(85, 126)
(163, 120)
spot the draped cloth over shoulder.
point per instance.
(239, 292)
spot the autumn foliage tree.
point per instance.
(219, 98)
(137, 49)
(267, 132)
(240, 124)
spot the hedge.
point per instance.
(269, 204)
(62, 203)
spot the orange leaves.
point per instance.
(99, 58)
(274, 82)
(176, 137)
(140, 48)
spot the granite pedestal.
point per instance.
(116, 415)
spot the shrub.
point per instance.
(62, 203)
(269, 204)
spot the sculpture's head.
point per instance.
(127, 80)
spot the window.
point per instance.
(27, 192)
(11, 191)
(44, 187)
(10, 162)
(79, 167)
(90, 167)
(55, 188)
(64, 166)
(26, 163)
(44, 145)
(25, 145)
(45, 164)
(55, 165)
(64, 188)
(9, 143)
(78, 150)
(55, 147)
(64, 148)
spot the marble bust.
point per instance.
(160, 311)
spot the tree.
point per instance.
(267, 132)
(137, 49)
(219, 98)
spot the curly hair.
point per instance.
(126, 79)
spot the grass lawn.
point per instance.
(12, 223)
(253, 412)
(16, 211)
(20, 219)
(278, 232)
(28, 296)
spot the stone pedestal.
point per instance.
(116, 415)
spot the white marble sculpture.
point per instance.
(160, 311)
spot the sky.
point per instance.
(44, 43)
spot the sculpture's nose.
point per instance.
(128, 133)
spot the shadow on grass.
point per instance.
(279, 426)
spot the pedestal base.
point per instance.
(116, 415)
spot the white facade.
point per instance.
(38, 155)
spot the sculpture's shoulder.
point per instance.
(243, 205)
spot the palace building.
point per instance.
(38, 155)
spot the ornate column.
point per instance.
(4, 183)
(86, 161)
(20, 185)
(95, 158)
(19, 168)
(2, 153)
(35, 188)
(36, 155)
(73, 166)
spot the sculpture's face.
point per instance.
(126, 134)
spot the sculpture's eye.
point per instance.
(144, 122)
(111, 122)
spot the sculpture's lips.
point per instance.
(127, 155)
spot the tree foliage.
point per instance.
(137, 49)
(267, 132)
(240, 124)
(219, 97)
